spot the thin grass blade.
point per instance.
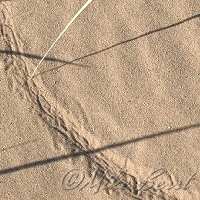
(68, 25)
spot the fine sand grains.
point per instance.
(122, 86)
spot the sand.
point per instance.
(118, 93)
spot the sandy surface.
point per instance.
(119, 92)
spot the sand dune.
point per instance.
(118, 92)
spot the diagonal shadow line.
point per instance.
(88, 152)
(39, 58)
(32, 56)
(129, 40)
(19, 145)
(97, 52)
(140, 36)
(54, 68)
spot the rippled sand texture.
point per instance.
(122, 85)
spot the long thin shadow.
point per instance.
(88, 152)
(130, 40)
(70, 63)
(18, 145)
(39, 58)
(97, 52)
(138, 37)
(33, 56)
